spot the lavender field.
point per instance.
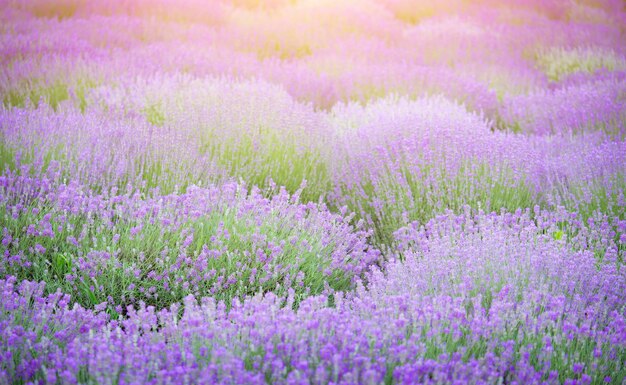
(313, 192)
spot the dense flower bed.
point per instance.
(312, 192)
(495, 297)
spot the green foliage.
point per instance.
(267, 159)
(559, 62)
(418, 194)
(231, 240)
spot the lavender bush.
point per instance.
(222, 241)
(410, 160)
(312, 192)
(489, 299)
